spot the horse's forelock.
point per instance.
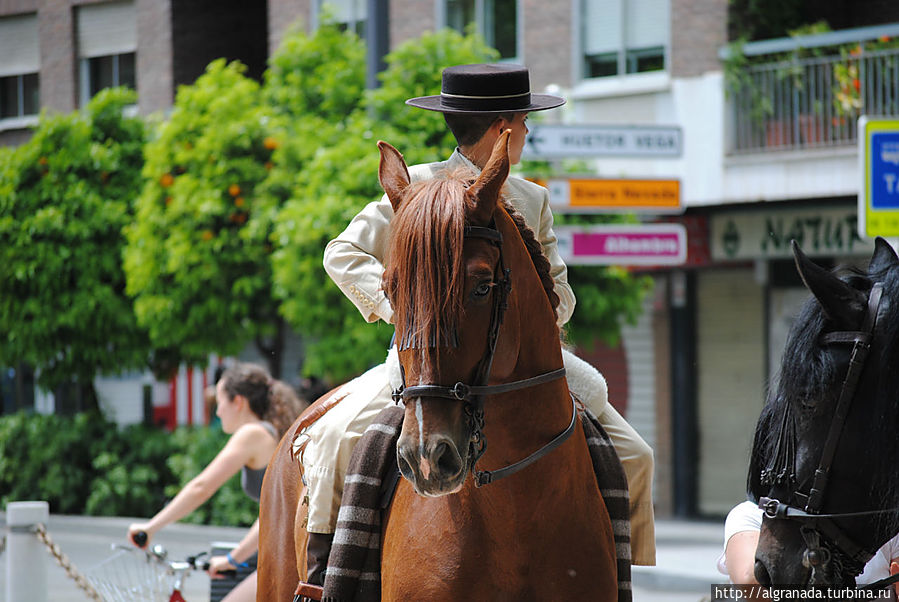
(425, 278)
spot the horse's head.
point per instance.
(826, 446)
(447, 279)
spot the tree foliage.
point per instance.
(197, 255)
(64, 197)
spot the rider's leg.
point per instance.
(331, 440)
(317, 551)
(635, 454)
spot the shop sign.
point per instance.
(638, 244)
(605, 195)
(767, 234)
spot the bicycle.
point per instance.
(135, 574)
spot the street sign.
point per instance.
(878, 196)
(604, 195)
(637, 244)
(562, 141)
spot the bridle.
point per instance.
(473, 395)
(814, 524)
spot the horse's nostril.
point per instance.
(403, 465)
(446, 459)
(761, 573)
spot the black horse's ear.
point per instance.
(884, 257)
(487, 187)
(842, 303)
(392, 173)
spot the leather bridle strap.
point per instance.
(861, 346)
(462, 392)
(485, 477)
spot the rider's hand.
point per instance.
(136, 528)
(219, 564)
(894, 568)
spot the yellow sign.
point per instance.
(600, 194)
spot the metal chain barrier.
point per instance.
(63, 561)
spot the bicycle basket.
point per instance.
(130, 575)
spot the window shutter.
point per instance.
(19, 45)
(105, 29)
(602, 26)
(648, 23)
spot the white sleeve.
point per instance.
(746, 516)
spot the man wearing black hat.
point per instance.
(478, 102)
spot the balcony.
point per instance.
(808, 91)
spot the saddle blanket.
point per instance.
(354, 564)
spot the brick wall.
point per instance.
(154, 55)
(409, 19)
(56, 27)
(698, 30)
(547, 42)
(284, 14)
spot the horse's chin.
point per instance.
(435, 487)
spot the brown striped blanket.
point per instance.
(355, 562)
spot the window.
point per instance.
(496, 20)
(19, 67)
(624, 36)
(107, 42)
(348, 14)
(19, 96)
(101, 72)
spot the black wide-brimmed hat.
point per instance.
(497, 88)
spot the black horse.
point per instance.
(825, 458)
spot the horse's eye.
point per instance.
(483, 289)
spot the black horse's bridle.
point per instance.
(815, 524)
(473, 395)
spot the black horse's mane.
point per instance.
(808, 375)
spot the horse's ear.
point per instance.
(884, 257)
(487, 187)
(392, 173)
(842, 303)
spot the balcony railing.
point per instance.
(808, 92)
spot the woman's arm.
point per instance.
(739, 557)
(237, 452)
(244, 550)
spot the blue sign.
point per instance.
(878, 195)
(885, 170)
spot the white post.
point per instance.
(26, 557)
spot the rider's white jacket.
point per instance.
(353, 260)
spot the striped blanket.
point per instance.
(355, 561)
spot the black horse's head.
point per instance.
(826, 443)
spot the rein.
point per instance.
(473, 395)
(814, 523)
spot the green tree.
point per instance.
(340, 179)
(197, 254)
(64, 197)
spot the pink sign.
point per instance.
(650, 244)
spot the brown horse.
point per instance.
(473, 303)
(542, 533)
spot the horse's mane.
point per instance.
(808, 375)
(425, 251)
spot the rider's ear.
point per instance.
(842, 303)
(487, 187)
(392, 173)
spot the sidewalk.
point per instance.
(686, 555)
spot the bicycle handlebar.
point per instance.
(140, 538)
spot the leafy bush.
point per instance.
(86, 465)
